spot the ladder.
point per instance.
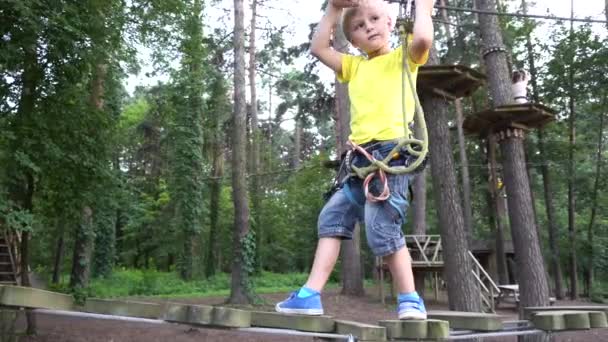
(8, 270)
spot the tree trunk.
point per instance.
(214, 207)
(256, 198)
(552, 229)
(530, 267)
(534, 290)
(22, 181)
(25, 279)
(85, 236)
(571, 171)
(188, 142)
(464, 162)
(463, 293)
(594, 206)
(58, 260)
(501, 257)
(25, 253)
(297, 144)
(352, 272)
(464, 174)
(240, 277)
(268, 166)
(83, 247)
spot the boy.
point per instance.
(375, 88)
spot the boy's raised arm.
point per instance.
(423, 31)
(320, 45)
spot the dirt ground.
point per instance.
(365, 309)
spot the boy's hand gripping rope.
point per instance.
(415, 147)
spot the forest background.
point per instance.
(121, 190)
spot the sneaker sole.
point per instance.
(308, 312)
(413, 316)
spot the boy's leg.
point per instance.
(383, 221)
(326, 256)
(336, 222)
(399, 263)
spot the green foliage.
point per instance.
(127, 283)
(248, 254)
(187, 140)
(13, 217)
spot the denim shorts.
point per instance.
(383, 220)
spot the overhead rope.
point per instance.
(519, 15)
(417, 148)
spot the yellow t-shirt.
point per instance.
(374, 88)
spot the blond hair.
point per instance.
(349, 13)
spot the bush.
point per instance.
(126, 283)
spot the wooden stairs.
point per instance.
(8, 270)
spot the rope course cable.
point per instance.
(520, 15)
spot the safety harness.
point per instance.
(415, 150)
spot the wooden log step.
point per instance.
(363, 332)
(549, 321)
(207, 315)
(413, 329)
(190, 314)
(28, 297)
(569, 320)
(598, 319)
(123, 308)
(468, 320)
(577, 320)
(231, 318)
(529, 311)
(437, 329)
(322, 324)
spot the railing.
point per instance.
(425, 250)
(489, 291)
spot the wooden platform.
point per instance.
(449, 81)
(527, 116)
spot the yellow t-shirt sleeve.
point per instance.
(348, 66)
(425, 58)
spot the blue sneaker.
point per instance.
(411, 307)
(310, 305)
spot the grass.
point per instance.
(147, 283)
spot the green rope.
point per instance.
(416, 147)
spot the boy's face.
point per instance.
(370, 28)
